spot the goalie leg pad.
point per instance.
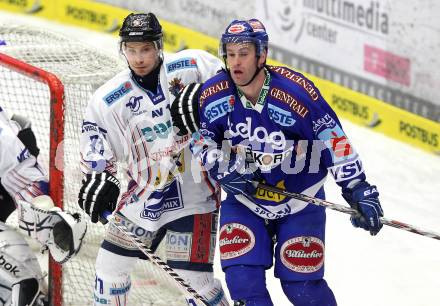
(206, 285)
(112, 282)
(21, 279)
(7, 204)
(309, 293)
(60, 231)
(25, 292)
(248, 284)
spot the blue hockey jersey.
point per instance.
(291, 136)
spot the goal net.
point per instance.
(49, 78)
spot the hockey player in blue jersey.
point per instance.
(271, 124)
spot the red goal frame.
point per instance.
(56, 176)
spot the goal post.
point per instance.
(56, 177)
(49, 78)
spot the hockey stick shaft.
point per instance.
(348, 210)
(187, 289)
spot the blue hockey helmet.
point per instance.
(245, 31)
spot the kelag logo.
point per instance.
(260, 134)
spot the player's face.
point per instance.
(242, 61)
(141, 56)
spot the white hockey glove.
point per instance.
(60, 231)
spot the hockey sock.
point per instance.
(206, 285)
(112, 283)
(309, 293)
(248, 284)
(111, 290)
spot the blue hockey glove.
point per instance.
(365, 199)
(235, 178)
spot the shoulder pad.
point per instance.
(180, 62)
(286, 101)
(298, 79)
(115, 91)
(217, 84)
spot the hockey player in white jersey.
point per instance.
(24, 186)
(127, 122)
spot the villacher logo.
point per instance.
(303, 254)
(235, 240)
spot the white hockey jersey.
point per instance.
(127, 124)
(20, 173)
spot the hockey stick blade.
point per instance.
(349, 210)
(186, 288)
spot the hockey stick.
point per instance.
(155, 259)
(348, 210)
